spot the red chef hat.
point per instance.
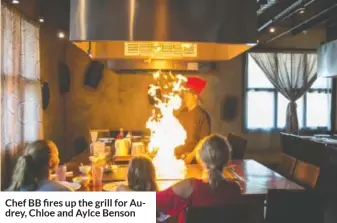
(195, 84)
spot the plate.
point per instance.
(74, 186)
(113, 186)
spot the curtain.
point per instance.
(21, 112)
(292, 74)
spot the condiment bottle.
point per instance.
(121, 134)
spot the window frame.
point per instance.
(275, 129)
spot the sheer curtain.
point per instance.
(292, 74)
(21, 113)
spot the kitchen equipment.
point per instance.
(122, 147)
(93, 136)
(138, 148)
(97, 148)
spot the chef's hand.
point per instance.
(179, 152)
(189, 157)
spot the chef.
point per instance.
(193, 117)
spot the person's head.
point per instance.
(193, 87)
(38, 160)
(213, 154)
(190, 99)
(142, 174)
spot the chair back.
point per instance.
(290, 144)
(287, 165)
(306, 174)
(238, 144)
(312, 152)
(293, 206)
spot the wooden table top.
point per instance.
(253, 177)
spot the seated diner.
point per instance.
(213, 189)
(34, 167)
(141, 175)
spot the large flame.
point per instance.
(166, 131)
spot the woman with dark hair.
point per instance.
(213, 189)
(141, 175)
(33, 169)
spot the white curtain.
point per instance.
(292, 74)
(21, 110)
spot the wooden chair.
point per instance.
(312, 152)
(306, 174)
(238, 146)
(291, 145)
(293, 206)
(287, 165)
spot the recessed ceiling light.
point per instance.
(61, 35)
(302, 11)
(41, 19)
(15, 1)
(272, 29)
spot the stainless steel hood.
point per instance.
(184, 30)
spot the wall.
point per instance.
(121, 100)
(51, 53)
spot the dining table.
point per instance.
(253, 177)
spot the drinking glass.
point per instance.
(60, 172)
(97, 175)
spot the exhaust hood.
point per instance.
(152, 30)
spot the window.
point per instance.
(20, 76)
(265, 107)
(20, 111)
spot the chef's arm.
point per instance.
(204, 131)
(181, 151)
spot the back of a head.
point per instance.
(214, 153)
(142, 174)
(34, 164)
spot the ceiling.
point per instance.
(295, 17)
